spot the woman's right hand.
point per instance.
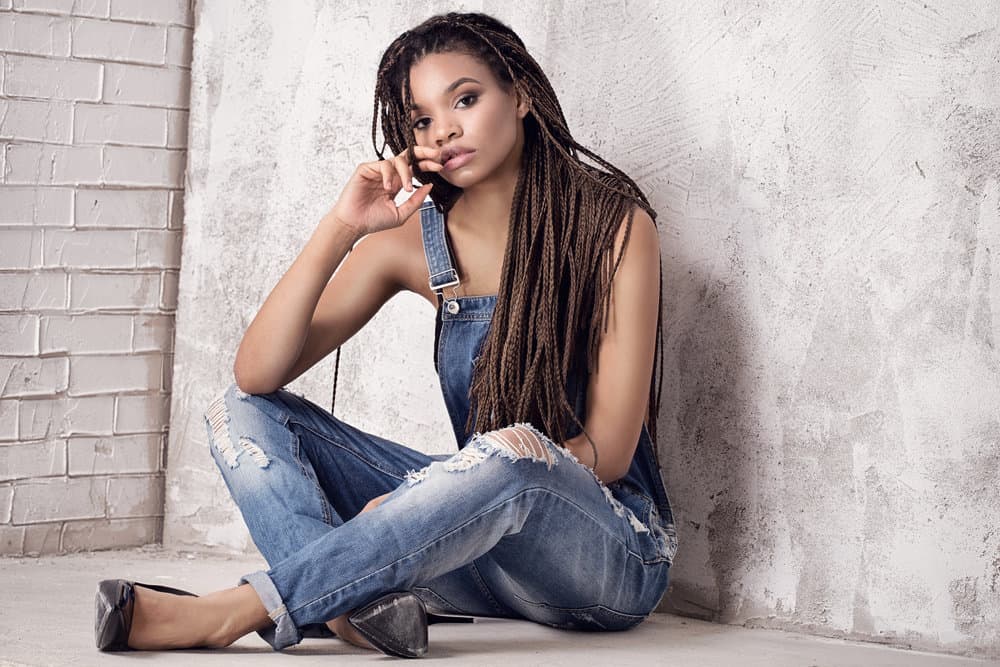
(367, 203)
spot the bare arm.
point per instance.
(618, 395)
(273, 342)
(307, 314)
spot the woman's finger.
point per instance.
(410, 206)
(403, 169)
(421, 153)
(430, 165)
(386, 170)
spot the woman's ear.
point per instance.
(523, 102)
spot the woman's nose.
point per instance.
(446, 132)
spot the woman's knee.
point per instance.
(236, 423)
(517, 455)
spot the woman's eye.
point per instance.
(464, 100)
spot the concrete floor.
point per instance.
(48, 619)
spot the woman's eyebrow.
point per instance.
(454, 84)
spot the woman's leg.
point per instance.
(296, 472)
(512, 490)
(489, 504)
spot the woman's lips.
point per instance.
(459, 160)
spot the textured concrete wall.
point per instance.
(93, 130)
(827, 180)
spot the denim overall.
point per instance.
(481, 532)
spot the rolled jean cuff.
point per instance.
(283, 633)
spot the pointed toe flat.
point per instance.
(114, 605)
(395, 624)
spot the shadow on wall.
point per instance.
(702, 445)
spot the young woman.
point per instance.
(545, 274)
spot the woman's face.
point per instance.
(459, 104)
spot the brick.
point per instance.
(33, 376)
(97, 8)
(176, 209)
(140, 84)
(34, 34)
(158, 249)
(151, 333)
(179, 46)
(119, 124)
(168, 296)
(51, 164)
(6, 501)
(114, 454)
(168, 373)
(114, 290)
(8, 420)
(19, 335)
(84, 334)
(92, 534)
(34, 120)
(32, 459)
(36, 206)
(20, 248)
(146, 209)
(161, 11)
(143, 413)
(37, 501)
(103, 374)
(28, 76)
(124, 42)
(177, 128)
(90, 248)
(12, 540)
(128, 165)
(135, 496)
(42, 539)
(33, 291)
(94, 8)
(39, 419)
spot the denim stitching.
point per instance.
(481, 581)
(324, 501)
(580, 613)
(391, 473)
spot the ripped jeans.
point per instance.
(510, 526)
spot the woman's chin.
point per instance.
(459, 179)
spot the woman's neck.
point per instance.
(483, 209)
(482, 213)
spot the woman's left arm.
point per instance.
(618, 394)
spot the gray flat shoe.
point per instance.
(114, 605)
(395, 624)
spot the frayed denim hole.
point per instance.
(258, 455)
(217, 416)
(466, 458)
(415, 476)
(516, 442)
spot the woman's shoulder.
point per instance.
(403, 248)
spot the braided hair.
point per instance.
(555, 286)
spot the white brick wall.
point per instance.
(93, 137)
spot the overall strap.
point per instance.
(439, 263)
